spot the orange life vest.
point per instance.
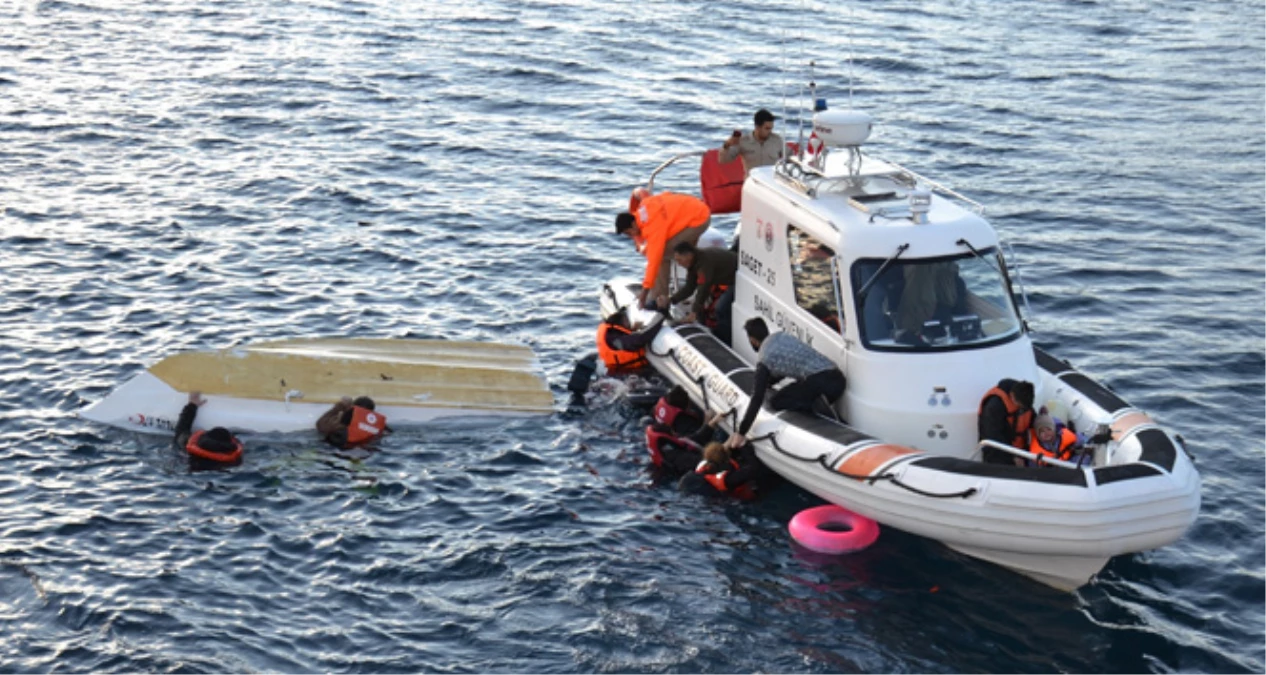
(717, 291)
(198, 451)
(1020, 422)
(366, 426)
(717, 480)
(666, 413)
(1067, 439)
(618, 360)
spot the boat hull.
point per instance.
(284, 386)
(1056, 525)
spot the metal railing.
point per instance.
(650, 183)
(1032, 456)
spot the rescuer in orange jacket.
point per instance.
(660, 222)
(352, 423)
(1005, 415)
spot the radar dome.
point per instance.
(842, 128)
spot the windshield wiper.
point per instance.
(964, 242)
(861, 293)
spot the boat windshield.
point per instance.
(957, 302)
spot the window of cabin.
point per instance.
(956, 302)
(813, 276)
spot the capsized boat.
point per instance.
(285, 385)
(903, 284)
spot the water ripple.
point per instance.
(188, 176)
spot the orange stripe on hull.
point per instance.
(864, 462)
(1127, 423)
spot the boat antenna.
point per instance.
(852, 26)
(813, 86)
(785, 109)
(786, 71)
(813, 96)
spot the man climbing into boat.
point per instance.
(657, 223)
(352, 423)
(781, 356)
(710, 278)
(1005, 416)
(759, 147)
(215, 445)
(621, 349)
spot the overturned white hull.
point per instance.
(284, 386)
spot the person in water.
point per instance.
(657, 224)
(1005, 417)
(352, 423)
(721, 472)
(680, 431)
(759, 147)
(621, 350)
(781, 356)
(621, 346)
(215, 445)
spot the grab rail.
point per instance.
(1027, 454)
(650, 184)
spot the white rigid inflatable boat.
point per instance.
(902, 283)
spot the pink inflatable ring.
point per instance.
(833, 529)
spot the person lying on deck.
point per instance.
(781, 356)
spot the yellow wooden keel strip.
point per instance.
(420, 373)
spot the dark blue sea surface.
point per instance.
(183, 175)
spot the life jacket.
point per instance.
(1020, 422)
(366, 426)
(1067, 439)
(709, 317)
(717, 480)
(669, 415)
(618, 360)
(195, 450)
(661, 440)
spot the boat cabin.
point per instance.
(897, 279)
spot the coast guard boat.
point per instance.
(903, 284)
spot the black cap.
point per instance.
(218, 435)
(624, 222)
